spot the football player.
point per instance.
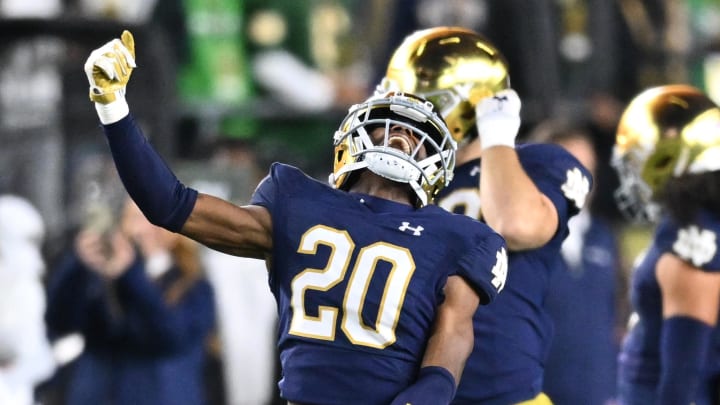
(375, 288)
(527, 193)
(667, 155)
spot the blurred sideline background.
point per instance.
(224, 87)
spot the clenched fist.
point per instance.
(108, 70)
(498, 119)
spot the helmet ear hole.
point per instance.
(457, 133)
(663, 163)
(468, 113)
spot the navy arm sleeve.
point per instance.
(164, 200)
(684, 348)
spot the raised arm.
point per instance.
(165, 201)
(511, 202)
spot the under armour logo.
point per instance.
(416, 230)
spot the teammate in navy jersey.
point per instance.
(375, 288)
(526, 193)
(667, 155)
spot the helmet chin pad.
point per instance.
(387, 162)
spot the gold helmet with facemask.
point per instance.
(665, 132)
(427, 168)
(452, 67)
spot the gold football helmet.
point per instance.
(355, 149)
(452, 67)
(664, 132)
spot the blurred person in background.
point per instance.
(137, 295)
(584, 300)
(365, 315)
(250, 360)
(26, 358)
(527, 193)
(249, 355)
(667, 154)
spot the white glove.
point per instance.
(108, 70)
(498, 119)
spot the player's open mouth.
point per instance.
(400, 142)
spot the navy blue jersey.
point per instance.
(581, 367)
(697, 243)
(512, 336)
(358, 280)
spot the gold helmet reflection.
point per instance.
(427, 169)
(452, 67)
(664, 132)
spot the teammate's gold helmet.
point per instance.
(664, 132)
(452, 67)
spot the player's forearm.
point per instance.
(149, 181)
(512, 204)
(449, 351)
(445, 355)
(453, 334)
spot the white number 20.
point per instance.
(322, 326)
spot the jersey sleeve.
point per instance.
(696, 242)
(558, 175)
(281, 182)
(484, 265)
(266, 193)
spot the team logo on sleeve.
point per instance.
(576, 187)
(500, 270)
(695, 244)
